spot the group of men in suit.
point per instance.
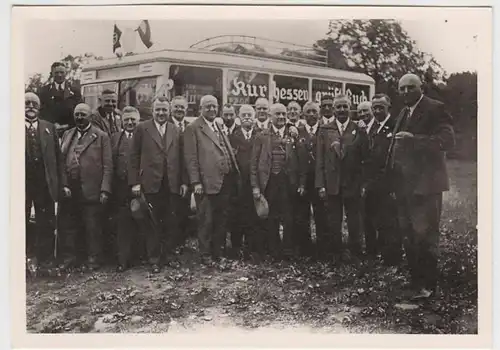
(312, 163)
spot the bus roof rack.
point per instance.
(246, 45)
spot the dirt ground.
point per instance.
(343, 299)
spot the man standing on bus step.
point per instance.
(107, 117)
(380, 214)
(43, 181)
(278, 173)
(308, 134)
(86, 181)
(262, 114)
(213, 172)
(294, 112)
(128, 244)
(326, 111)
(155, 169)
(58, 99)
(423, 134)
(187, 227)
(229, 119)
(342, 149)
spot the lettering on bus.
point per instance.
(289, 88)
(322, 88)
(357, 93)
(246, 87)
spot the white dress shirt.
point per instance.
(81, 133)
(342, 126)
(180, 124)
(128, 134)
(328, 120)
(247, 134)
(263, 125)
(161, 128)
(59, 86)
(280, 132)
(34, 124)
(229, 131)
(211, 124)
(311, 129)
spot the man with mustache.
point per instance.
(86, 181)
(58, 98)
(422, 135)
(229, 119)
(380, 219)
(43, 181)
(156, 170)
(127, 240)
(342, 147)
(262, 114)
(107, 117)
(277, 172)
(213, 173)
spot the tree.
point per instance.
(336, 58)
(35, 82)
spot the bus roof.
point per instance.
(218, 59)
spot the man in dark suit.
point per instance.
(43, 180)
(213, 172)
(229, 119)
(380, 214)
(107, 117)
(277, 173)
(86, 181)
(262, 115)
(128, 244)
(326, 110)
(308, 134)
(422, 135)
(342, 149)
(155, 168)
(58, 99)
(294, 112)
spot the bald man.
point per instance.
(43, 181)
(341, 150)
(213, 172)
(86, 180)
(422, 136)
(277, 172)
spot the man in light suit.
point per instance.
(43, 181)
(155, 169)
(213, 171)
(422, 135)
(107, 117)
(86, 181)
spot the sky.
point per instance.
(452, 41)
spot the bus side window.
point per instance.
(139, 94)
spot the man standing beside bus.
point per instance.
(262, 114)
(229, 119)
(213, 172)
(326, 110)
(294, 112)
(107, 117)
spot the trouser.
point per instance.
(279, 193)
(381, 227)
(244, 220)
(333, 239)
(81, 227)
(183, 212)
(419, 217)
(162, 232)
(40, 238)
(213, 218)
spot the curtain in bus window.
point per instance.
(357, 93)
(140, 94)
(246, 87)
(289, 89)
(325, 87)
(195, 82)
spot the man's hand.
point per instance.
(293, 131)
(256, 193)
(301, 190)
(103, 198)
(67, 192)
(183, 190)
(136, 190)
(198, 189)
(403, 135)
(322, 193)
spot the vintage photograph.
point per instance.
(251, 174)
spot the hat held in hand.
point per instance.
(138, 207)
(261, 207)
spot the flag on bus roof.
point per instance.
(145, 33)
(117, 33)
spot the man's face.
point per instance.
(278, 116)
(130, 121)
(161, 112)
(59, 74)
(410, 90)
(311, 115)
(179, 108)
(109, 102)
(31, 106)
(327, 108)
(364, 114)
(293, 112)
(380, 111)
(341, 110)
(247, 119)
(262, 111)
(82, 116)
(209, 109)
(228, 116)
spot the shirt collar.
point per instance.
(383, 122)
(328, 120)
(84, 130)
(339, 124)
(281, 131)
(63, 85)
(247, 133)
(231, 129)
(264, 124)
(311, 129)
(412, 108)
(34, 124)
(211, 124)
(129, 133)
(160, 127)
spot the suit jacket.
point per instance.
(258, 130)
(310, 149)
(147, 154)
(340, 159)
(51, 154)
(203, 156)
(260, 166)
(96, 162)
(98, 119)
(56, 111)
(433, 134)
(242, 149)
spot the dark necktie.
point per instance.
(405, 119)
(181, 126)
(60, 87)
(31, 128)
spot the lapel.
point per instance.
(348, 137)
(169, 134)
(208, 131)
(67, 141)
(89, 137)
(337, 138)
(43, 134)
(154, 133)
(417, 113)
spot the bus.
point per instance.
(228, 67)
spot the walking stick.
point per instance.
(56, 214)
